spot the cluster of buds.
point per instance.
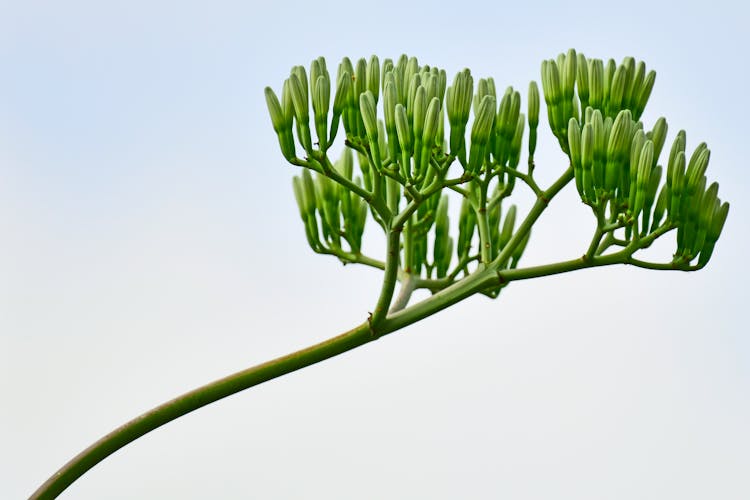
(393, 115)
(616, 162)
(414, 101)
(572, 83)
(329, 208)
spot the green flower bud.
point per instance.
(459, 98)
(367, 108)
(373, 77)
(390, 99)
(429, 81)
(587, 162)
(440, 134)
(480, 132)
(600, 151)
(508, 225)
(510, 118)
(582, 79)
(639, 139)
(414, 84)
(412, 68)
(299, 195)
(345, 66)
(677, 186)
(533, 108)
(386, 68)
(515, 144)
(651, 188)
(420, 109)
(596, 84)
(553, 96)
(574, 146)
(360, 78)
(709, 204)
(717, 222)
(299, 72)
(340, 100)
(301, 111)
(697, 166)
(636, 146)
(690, 215)
(505, 125)
(315, 72)
(550, 82)
(482, 90)
(636, 83)
(442, 81)
(629, 64)
(279, 121)
(677, 146)
(618, 145)
(644, 94)
(432, 117)
(403, 129)
(442, 247)
(609, 74)
(617, 91)
(287, 104)
(660, 208)
(569, 75)
(659, 135)
(369, 117)
(320, 102)
(299, 99)
(644, 176)
(309, 192)
(466, 229)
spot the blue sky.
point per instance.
(150, 243)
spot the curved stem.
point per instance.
(195, 399)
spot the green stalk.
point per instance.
(485, 245)
(195, 399)
(380, 324)
(389, 279)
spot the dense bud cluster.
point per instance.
(394, 117)
(616, 163)
(409, 129)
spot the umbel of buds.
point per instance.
(409, 156)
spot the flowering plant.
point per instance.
(409, 157)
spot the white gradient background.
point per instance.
(149, 243)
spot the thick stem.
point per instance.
(195, 399)
(389, 279)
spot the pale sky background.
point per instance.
(149, 243)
